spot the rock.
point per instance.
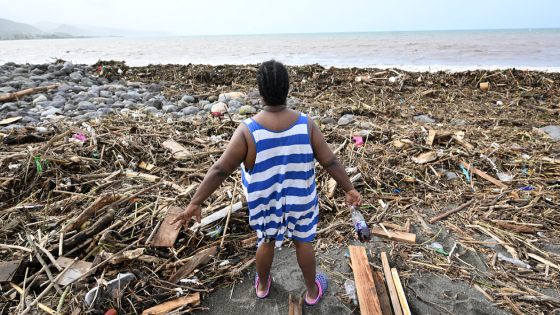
(156, 88)
(7, 89)
(154, 102)
(51, 111)
(57, 104)
(450, 175)
(212, 98)
(76, 76)
(39, 99)
(235, 104)
(104, 93)
(458, 122)
(328, 121)
(208, 107)
(169, 108)
(190, 110)
(292, 102)
(38, 78)
(69, 107)
(424, 119)
(232, 110)
(86, 105)
(220, 108)
(226, 97)
(150, 110)
(552, 131)
(131, 95)
(203, 103)
(247, 110)
(187, 99)
(346, 120)
(68, 67)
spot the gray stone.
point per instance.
(76, 76)
(190, 110)
(104, 93)
(69, 107)
(57, 104)
(7, 89)
(188, 99)
(131, 95)
(150, 110)
(247, 110)
(4, 78)
(203, 103)
(450, 175)
(67, 68)
(39, 99)
(51, 111)
(424, 119)
(93, 115)
(65, 88)
(154, 102)
(86, 105)
(553, 131)
(232, 110)
(235, 104)
(154, 88)
(8, 107)
(37, 78)
(328, 121)
(346, 120)
(458, 122)
(208, 107)
(169, 108)
(147, 96)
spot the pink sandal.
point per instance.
(322, 284)
(265, 295)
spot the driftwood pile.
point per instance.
(87, 205)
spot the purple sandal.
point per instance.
(265, 295)
(322, 285)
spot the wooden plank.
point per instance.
(400, 291)
(178, 151)
(431, 137)
(201, 258)
(164, 308)
(483, 175)
(294, 305)
(216, 216)
(367, 294)
(75, 271)
(393, 295)
(382, 294)
(395, 235)
(8, 270)
(167, 233)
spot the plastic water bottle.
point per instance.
(350, 288)
(360, 225)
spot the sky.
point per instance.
(214, 17)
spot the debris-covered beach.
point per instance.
(460, 173)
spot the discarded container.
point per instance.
(438, 248)
(360, 225)
(350, 288)
(514, 261)
(484, 86)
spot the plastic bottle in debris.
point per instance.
(350, 288)
(360, 225)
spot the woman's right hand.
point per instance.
(353, 198)
(192, 210)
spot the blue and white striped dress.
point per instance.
(280, 189)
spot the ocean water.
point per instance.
(426, 51)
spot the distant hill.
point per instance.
(14, 30)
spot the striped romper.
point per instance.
(280, 189)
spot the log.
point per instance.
(201, 258)
(16, 95)
(365, 287)
(167, 233)
(164, 308)
(393, 295)
(97, 227)
(516, 227)
(450, 212)
(404, 237)
(483, 175)
(382, 294)
(90, 211)
(400, 292)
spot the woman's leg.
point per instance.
(265, 255)
(306, 260)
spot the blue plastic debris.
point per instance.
(466, 173)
